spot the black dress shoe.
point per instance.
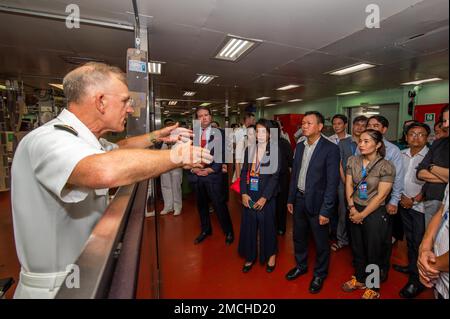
(316, 285)
(246, 268)
(229, 239)
(402, 269)
(411, 290)
(269, 268)
(201, 237)
(295, 272)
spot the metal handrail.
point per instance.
(99, 257)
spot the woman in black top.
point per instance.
(259, 187)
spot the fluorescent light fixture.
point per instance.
(243, 103)
(204, 78)
(172, 103)
(295, 100)
(270, 104)
(288, 87)
(56, 85)
(154, 67)
(205, 104)
(189, 93)
(352, 69)
(234, 47)
(372, 113)
(263, 98)
(2, 87)
(349, 93)
(422, 81)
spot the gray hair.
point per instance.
(77, 81)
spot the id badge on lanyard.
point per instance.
(362, 189)
(254, 177)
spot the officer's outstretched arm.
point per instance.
(123, 167)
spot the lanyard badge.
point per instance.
(254, 175)
(362, 189)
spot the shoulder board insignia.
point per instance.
(66, 128)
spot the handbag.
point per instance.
(236, 186)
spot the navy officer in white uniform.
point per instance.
(62, 171)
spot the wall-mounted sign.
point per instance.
(137, 66)
(429, 117)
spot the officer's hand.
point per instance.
(290, 208)
(173, 134)
(189, 156)
(406, 202)
(323, 220)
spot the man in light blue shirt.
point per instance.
(393, 154)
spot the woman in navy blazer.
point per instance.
(259, 187)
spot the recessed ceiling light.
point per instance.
(422, 81)
(205, 104)
(154, 67)
(234, 47)
(349, 93)
(295, 100)
(263, 98)
(56, 85)
(204, 78)
(352, 69)
(189, 93)
(172, 103)
(288, 87)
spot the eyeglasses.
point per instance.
(413, 134)
(129, 101)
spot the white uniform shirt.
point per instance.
(52, 221)
(241, 143)
(412, 186)
(441, 247)
(335, 138)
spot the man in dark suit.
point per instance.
(207, 182)
(312, 196)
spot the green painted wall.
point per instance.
(430, 93)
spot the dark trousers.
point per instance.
(368, 241)
(256, 224)
(305, 221)
(215, 192)
(414, 227)
(282, 199)
(387, 246)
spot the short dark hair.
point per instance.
(381, 119)
(360, 118)
(341, 117)
(168, 120)
(202, 108)
(318, 115)
(215, 122)
(438, 124)
(418, 124)
(445, 108)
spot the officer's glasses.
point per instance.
(127, 102)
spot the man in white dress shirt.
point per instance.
(62, 171)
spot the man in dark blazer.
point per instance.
(207, 182)
(312, 196)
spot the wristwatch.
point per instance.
(152, 138)
(430, 167)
